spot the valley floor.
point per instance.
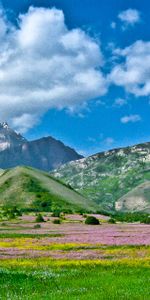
(71, 261)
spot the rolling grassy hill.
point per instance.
(108, 176)
(29, 188)
(137, 199)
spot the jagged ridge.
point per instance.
(46, 153)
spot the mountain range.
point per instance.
(116, 180)
(45, 153)
(112, 181)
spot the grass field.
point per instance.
(89, 281)
(74, 261)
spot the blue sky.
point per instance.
(115, 110)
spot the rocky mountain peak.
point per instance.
(4, 125)
(9, 138)
(46, 153)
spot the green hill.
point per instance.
(108, 176)
(137, 199)
(28, 188)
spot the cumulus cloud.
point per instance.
(45, 65)
(129, 17)
(24, 122)
(130, 118)
(133, 73)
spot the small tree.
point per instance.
(37, 226)
(112, 221)
(39, 219)
(56, 221)
(91, 220)
(146, 220)
(56, 213)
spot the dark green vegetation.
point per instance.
(57, 221)
(33, 190)
(130, 218)
(75, 282)
(39, 219)
(112, 221)
(91, 220)
(8, 213)
(117, 180)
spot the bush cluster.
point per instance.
(57, 221)
(91, 220)
(9, 213)
(132, 217)
(39, 219)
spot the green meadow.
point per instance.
(28, 279)
(68, 261)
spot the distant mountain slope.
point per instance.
(108, 176)
(31, 188)
(137, 199)
(45, 153)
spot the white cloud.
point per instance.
(45, 65)
(129, 17)
(120, 102)
(24, 122)
(130, 118)
(133, 73)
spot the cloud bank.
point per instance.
(45, 65)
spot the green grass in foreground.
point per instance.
(73, 282)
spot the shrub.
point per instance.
(10, 212)
(91, 220)
(37, 226)
(112, 221)
(39, 219)
(146, 220)
(80, 212)
(132, 217)
(56, 221)
(84, 216)
(3, 224)
(42, 202)
(56, 213)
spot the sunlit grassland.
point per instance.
(126, 277)
(59, 279)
